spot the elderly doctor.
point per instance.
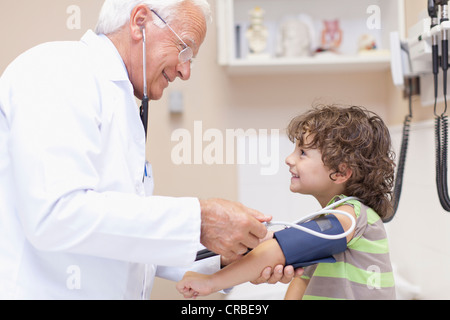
(77, 217)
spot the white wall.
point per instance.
(419, 235)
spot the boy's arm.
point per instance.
(267, 254)
(345, 221)
(249, 268)
(296, 289)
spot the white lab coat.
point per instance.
(75, 219)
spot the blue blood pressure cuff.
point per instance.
(302, 249)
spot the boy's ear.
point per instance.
(342, 175)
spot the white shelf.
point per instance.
(342, 63)
(353, 15)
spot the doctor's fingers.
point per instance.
(244, 234)
(250, 241)
(256, 214)
(249, 228)
(233, 248)
(223, 216)
(279, 273)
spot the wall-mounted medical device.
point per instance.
(423, 52)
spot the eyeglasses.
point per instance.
(186, 54)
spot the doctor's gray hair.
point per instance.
(116, 13)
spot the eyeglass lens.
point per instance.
(186, 54)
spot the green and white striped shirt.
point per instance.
(363, 270)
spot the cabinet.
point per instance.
(373, 19)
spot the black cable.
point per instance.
(441, 121)
(441, 137)
(398, 184)
(205, 253)
(443, 172)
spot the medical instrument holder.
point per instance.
(429, 39)
(441, 119)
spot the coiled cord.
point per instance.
(441, 139)
(441, 136)
(398, 184)
(401, 166)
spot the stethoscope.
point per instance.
(203, 254)
(144, 106)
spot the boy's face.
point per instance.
(309, 174)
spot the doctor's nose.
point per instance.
(184, 70)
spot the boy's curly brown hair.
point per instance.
(360, 140)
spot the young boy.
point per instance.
(338, 151)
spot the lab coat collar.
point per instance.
(108, 57)
(111, 66)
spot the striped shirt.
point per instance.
(362, 271)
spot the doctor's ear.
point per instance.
(140, 16)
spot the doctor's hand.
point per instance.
(280, 274)
(229, 228)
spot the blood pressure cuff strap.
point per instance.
(302, 249)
